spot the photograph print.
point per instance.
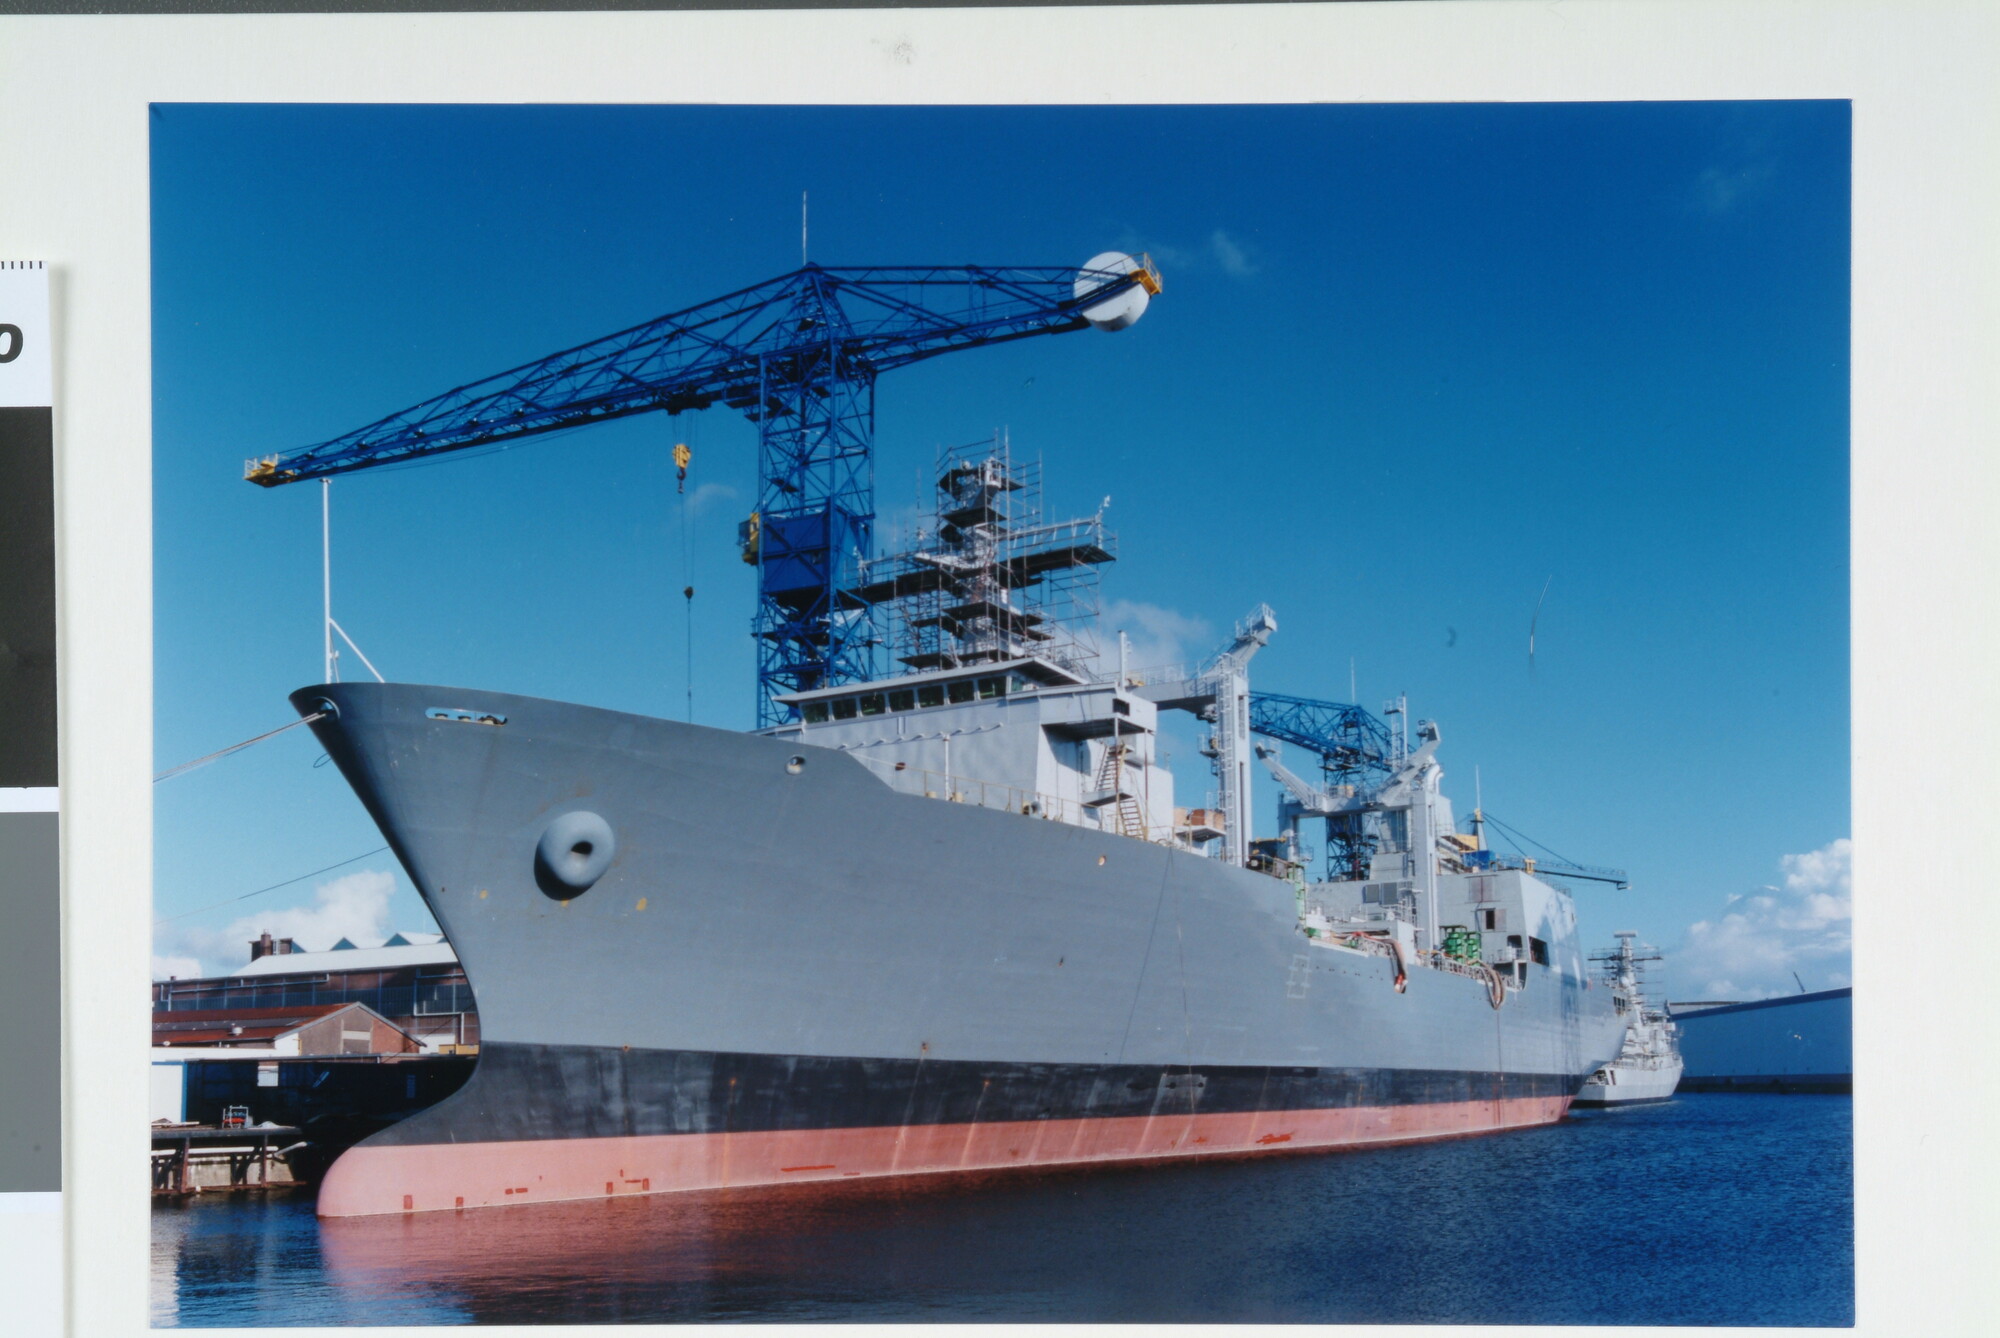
(868, 713)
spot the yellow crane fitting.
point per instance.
(1148, 275)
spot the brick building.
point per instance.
(309, 1029)
(413, 981)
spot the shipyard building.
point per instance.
(1795, 1043)
(413, 981)
(351, 1030)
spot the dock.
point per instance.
(207, 1158)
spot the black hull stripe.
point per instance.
(527, 1092)
(1772, 1082)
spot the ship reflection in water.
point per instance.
(1710, 1209)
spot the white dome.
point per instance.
(1102, 270)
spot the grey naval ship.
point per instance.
(950, 920)
(1648, 1066)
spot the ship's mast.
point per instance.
(1225, 680)
(1626, 967)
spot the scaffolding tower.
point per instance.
(988, 580)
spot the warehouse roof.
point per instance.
(400, 950)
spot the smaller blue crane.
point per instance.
(1355, 750)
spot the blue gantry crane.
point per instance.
(1358, 752)
(799, 356)
(1353, 745)
(1355, 749)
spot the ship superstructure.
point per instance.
(1006, 703)
(1648, 1066)
(991, 617)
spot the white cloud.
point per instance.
(1163, 253)
(708, 495)
(184, 967)
(1229, 253)
(354, 906)
(1742, 171)
(1719, 189)
(1762, 938)
(897, 528)
(1157, 636)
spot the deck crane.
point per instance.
(798, 355)
(1366, 771)
(1218, 692)
(1225, 681)
(1355, 751)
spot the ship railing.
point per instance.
(960, 789)
(957, 789)
(1159, 673)
(1347, 936)
(1456, 966)
(1359, 941)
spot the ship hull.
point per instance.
(542, 1123)
(1631, 1086)
(789, 971)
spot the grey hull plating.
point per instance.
(770, 901)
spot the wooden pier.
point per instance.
(205, 1159)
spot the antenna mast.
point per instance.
(1478, 812)
(326, 575)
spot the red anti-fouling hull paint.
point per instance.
(436, 1177)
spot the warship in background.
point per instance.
(949, 920)
(1648, 1067)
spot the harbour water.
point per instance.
(1708, 1209)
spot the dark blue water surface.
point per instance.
(1710, 1209)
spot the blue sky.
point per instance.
(1411, 364)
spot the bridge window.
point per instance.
(990, 688)
(930, 694)
(843, 708)
(815, 713)
(872, 703)
(903, 700)
(960, 691)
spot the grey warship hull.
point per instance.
(788, 970)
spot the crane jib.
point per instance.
(716, 353)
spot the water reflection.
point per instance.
(925, 1248)
(1612, 1219)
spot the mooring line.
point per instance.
(162, 919)
(171, 772)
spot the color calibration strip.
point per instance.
(30, 800)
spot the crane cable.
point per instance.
(162, 919)
(683, 456)
(1517, 837)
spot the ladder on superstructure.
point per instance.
(1127, 817)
